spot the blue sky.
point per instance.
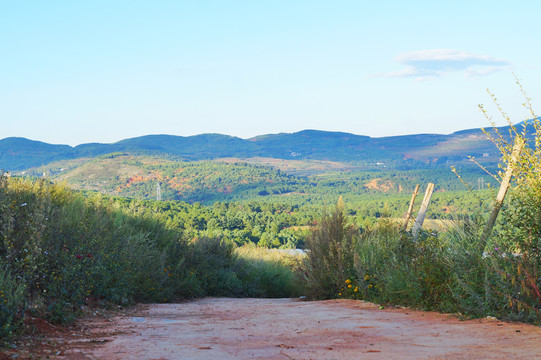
(73, 72)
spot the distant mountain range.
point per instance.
(408, 151)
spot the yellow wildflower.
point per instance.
(356, 289)
(349, 286)
(348, 281)
(366, 278)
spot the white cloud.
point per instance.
(438, 62)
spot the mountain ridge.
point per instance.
(17, 153)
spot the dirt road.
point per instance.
(224, 328)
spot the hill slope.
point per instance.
(233, 179)
(19, 153)
(138, 177)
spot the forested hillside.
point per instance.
(138, 177)
(210, 181)
(185, 242)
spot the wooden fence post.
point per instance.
(422, 211)
(517, 148)
(410, 209)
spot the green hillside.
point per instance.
(252, 179)
(138, 176)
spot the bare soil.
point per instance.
(224, 328)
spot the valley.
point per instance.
(258, 179)
(132, 226)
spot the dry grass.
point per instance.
(438, 225)
(294, 167)
(251, 252)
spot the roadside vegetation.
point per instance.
(60, 250)
(450, 271)
(455, 270)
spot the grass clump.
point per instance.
(331, 256)
(269, 272)
(392, 267)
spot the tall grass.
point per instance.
(393, 267)
(451, 271)
(447, 272)
(331, 255)
(268, 272)
(60, 250)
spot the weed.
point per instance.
(331, 259)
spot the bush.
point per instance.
(331, 256)
(215, 267)
(394, 268)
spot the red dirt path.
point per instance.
(224, 328)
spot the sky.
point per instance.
(74, 72)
